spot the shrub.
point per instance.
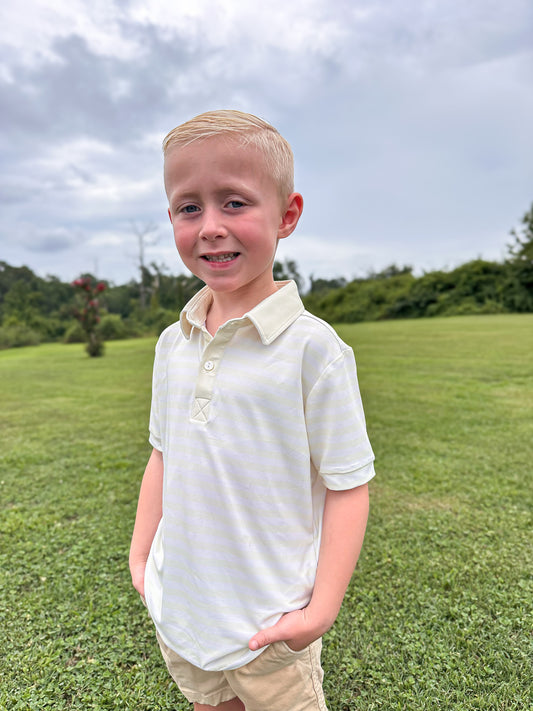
(49, 327)
(165, 318)
(469, 307)
(134, 328)
(89, 314)
(112, 328)
(158, 319)
(18, 335)
(75, 334)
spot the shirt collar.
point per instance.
(270, 317)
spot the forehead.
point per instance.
(219, 157)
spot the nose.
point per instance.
(212, 226)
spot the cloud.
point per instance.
(410, 122)
(47, 23)
(49, 241)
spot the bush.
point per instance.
(158, 319)
(112, 328)
(164, 319)
(470, 307)
(361, 300)
(75, 334)
(135, 328)
(88, 314)
(49, 327)
(18, 335)
(95, 347)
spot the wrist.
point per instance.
(137, 562)
(320, 617)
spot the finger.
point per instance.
(263, 638)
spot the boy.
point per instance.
(254, 502)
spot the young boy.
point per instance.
(254, 502)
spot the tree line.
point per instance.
(33, 309)
(477, 287)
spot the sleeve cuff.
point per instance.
(349, 480)
(155, 442)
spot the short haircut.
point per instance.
(246, 129)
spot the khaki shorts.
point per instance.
(277, 680)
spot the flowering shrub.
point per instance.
(89, 315)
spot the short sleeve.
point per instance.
(155, 420)
(336, 429)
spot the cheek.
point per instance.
(182, 238)
(184, 247)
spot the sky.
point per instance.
(410, 123)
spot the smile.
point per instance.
(220, 257)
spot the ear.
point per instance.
(291, 214)
(169, 215)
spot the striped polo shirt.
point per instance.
(254, 424)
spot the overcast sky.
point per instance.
(411, 124)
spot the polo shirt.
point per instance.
(254, 425)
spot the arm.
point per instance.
(343, 530)
(149, 512)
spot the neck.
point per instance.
(229, 306)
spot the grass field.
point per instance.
(439, 612)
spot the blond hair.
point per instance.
(246, 129)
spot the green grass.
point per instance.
(439, 612)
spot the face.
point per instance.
(227, 216)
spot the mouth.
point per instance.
(226, 257)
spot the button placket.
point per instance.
(209, 361)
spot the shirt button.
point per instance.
(209, 365)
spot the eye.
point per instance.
(189, 209)
(235, 204)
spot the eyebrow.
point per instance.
(238, 189)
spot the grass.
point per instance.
(439, 612)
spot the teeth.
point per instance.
(221, 257)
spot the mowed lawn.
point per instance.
(439, 611)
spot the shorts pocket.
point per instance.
(275, 657)
(293, 652)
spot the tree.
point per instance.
(89, 313)
(519, 291)
(288, 270)
(21, 303)
(522, 248)
(146, 236)
(392, 270)
(322, 286)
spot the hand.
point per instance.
(137, 570)
(297, 629)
